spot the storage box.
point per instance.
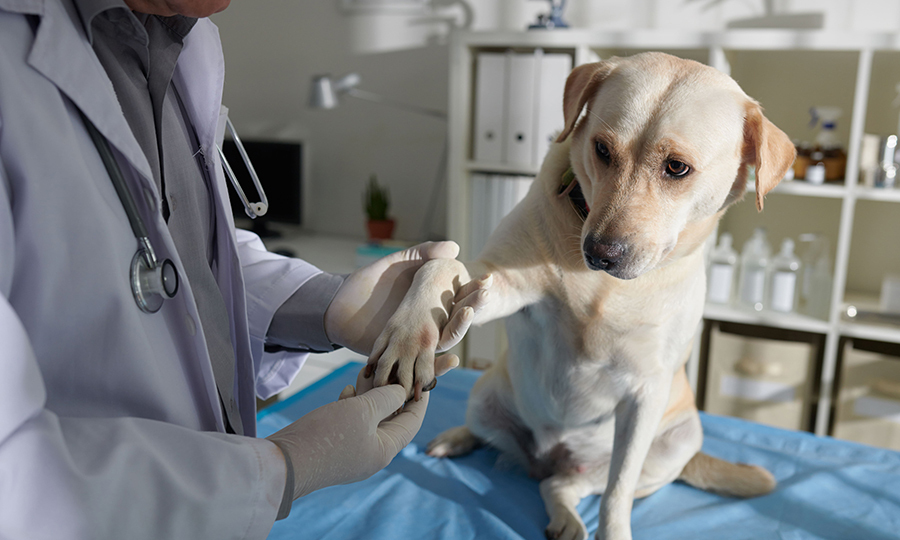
(868, 403)
(762, 380)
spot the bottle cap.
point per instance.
(815, 174)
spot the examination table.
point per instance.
(827, 488)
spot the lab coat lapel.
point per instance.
(62, 53)
(199, 78)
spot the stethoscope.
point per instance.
(153, 281)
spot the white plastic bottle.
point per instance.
(722, 264)
(754, 261)
(783, 279)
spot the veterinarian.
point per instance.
(116, 422)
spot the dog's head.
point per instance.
(663, 147)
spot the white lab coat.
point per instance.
(110, 425)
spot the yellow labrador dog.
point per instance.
(602, 279)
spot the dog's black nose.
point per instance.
(600, 256)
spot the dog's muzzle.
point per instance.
(603, 256)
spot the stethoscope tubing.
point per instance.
(153, 281)
(118, 181)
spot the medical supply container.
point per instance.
(754, 261)
(783, 279)
(722, 265)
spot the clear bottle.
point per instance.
(754, 261)
(722, 264)
(815, 290)
(783, 279)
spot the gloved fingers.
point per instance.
(470, 299)
(347, 392)
(431, 250)
(383, 401)
(477, 300)
(456, 328)
(444, 363)
(475, 285)
(363, 383)
(397, 432)
(424, 373)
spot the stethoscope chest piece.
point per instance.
(152, 282)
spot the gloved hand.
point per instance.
(351, 439)
(369, 297)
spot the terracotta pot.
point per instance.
(382, 229)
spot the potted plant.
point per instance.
(376, 202)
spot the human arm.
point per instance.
(76, 465)
(355, 312)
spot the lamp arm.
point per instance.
(377, 98)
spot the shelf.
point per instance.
(876, 332)
(744, 39)
(789, 321)
(502, 168)
(877, 194)
(800, 187)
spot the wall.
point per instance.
(273, 47)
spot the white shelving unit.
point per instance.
(818, 68)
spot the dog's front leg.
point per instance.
(638, 416)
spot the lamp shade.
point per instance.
(322, 94)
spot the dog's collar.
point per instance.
(569, 186)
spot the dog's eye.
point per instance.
(602, 152)
(677, 169)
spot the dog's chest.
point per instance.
(573, 355)
(562, 377)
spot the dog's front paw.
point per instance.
(566, 525)
(404, 352)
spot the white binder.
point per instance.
(552, 71)
(480, 215)
(520, 109)
(490, 106)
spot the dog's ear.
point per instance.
(581, 84)
(768, 149)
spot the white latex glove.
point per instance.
(351, 439)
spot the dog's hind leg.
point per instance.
(561, 494)
(453, 442)
(725, 478)
(489, 420)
